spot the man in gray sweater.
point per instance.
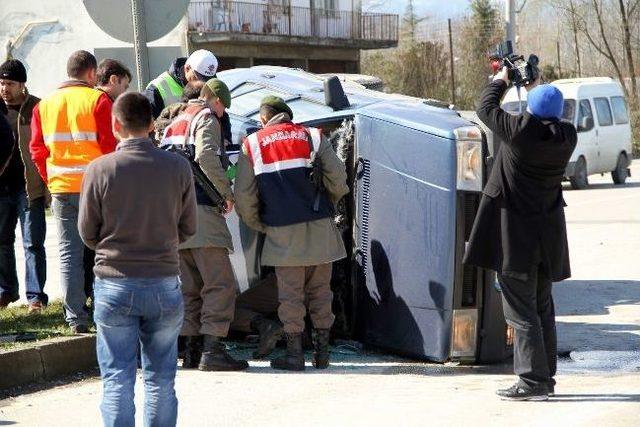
(134, 213)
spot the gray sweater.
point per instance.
(137, 204)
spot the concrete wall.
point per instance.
(45, 48)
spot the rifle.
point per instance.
(316, 174)
(209, 188)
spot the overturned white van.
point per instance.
(598, 109)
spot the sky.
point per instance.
(433, 8)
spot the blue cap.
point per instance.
(545, 102)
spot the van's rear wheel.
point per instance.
(621, 172)
(580, 179)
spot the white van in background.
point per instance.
(597, 108)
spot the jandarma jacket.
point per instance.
(314, 242)
(194, 123)
(280, 155)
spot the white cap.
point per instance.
(203, 62)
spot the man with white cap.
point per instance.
(167, 88)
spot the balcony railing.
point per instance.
(259, 19)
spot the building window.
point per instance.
(328, 8)
(279, 6)
(330, 5)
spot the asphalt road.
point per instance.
(598, 382)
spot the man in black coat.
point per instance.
(520, 230)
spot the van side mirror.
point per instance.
(586, 124)
(334, 95)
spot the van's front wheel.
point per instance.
(580, 179)
(621, 172)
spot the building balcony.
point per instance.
(244, 23)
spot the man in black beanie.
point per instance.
(23, 196)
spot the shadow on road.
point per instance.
(615, 397)
(7, 423)
(593, 297)
(608, 342)
(603, 186)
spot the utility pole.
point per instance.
(559, 65)
(453, 79)
(510, 21)
(140, 43)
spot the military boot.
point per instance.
(192, 352)
(293, 360)
(215, 357)
(320, 348)
(270, 333)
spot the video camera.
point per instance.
(521, 72)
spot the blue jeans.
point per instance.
(65, 211)
(14, 207)
(131, 311)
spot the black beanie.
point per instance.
(13, 70)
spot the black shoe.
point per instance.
(5, 300)
(215, 357)
(517, 392)
(551, 390)
(320, 348)
(270, 333)
(293, 360)
(192, 352)
(79, 329)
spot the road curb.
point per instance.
(49, 360)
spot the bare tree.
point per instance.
(592, 18)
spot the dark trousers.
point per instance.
(261, 300)
(13, 208)
(528, 308)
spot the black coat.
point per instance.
(520, 221)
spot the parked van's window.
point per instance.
(619, 108)
(585, 111)
(603, 111)
(303, 109)
(569, 111)
(249, 101)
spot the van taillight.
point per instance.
(465, 333)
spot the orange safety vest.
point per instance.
(70, 133)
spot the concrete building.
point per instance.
(43, 33)
(317, 35)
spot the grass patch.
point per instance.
(49, 323)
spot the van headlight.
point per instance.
(469, 153)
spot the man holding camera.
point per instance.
(520, 229)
